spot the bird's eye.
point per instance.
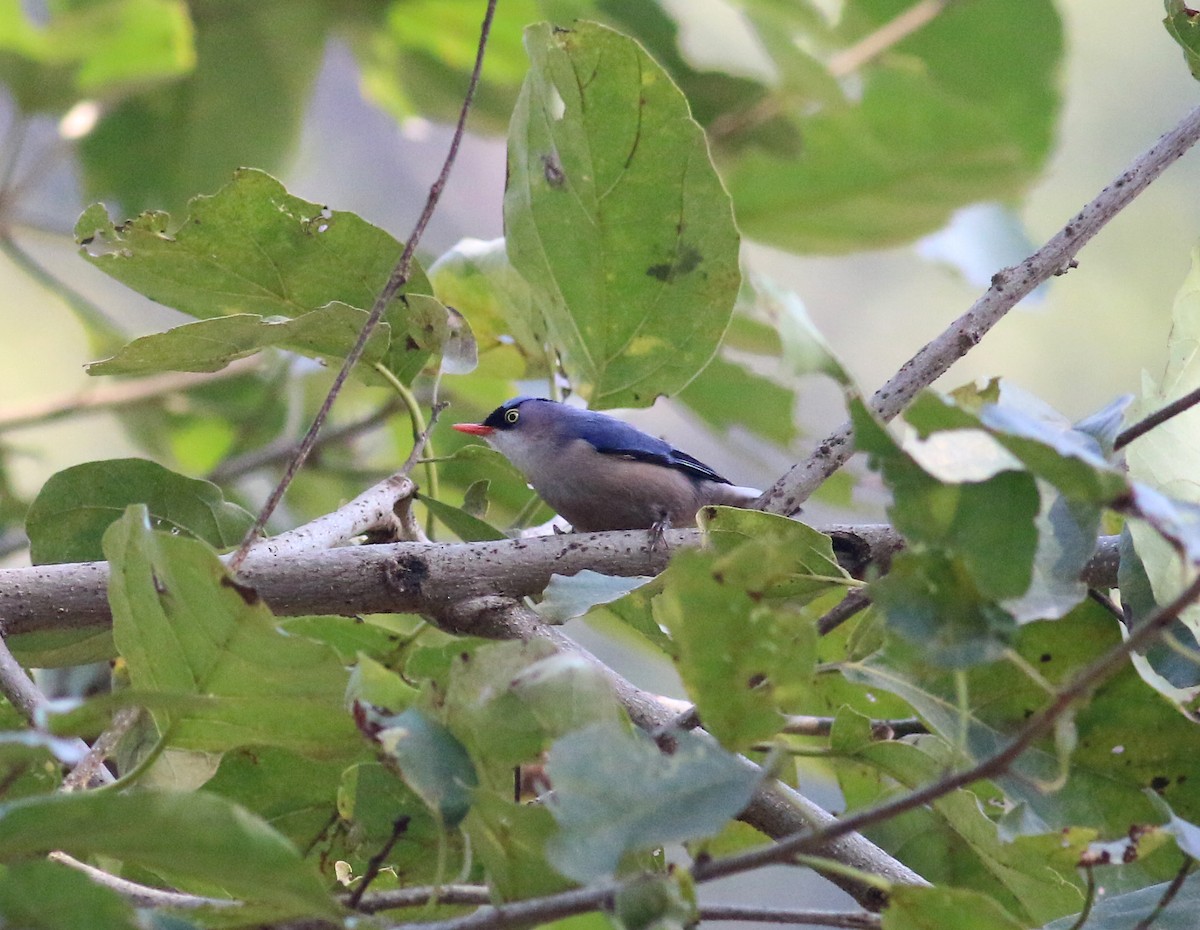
(511, 416)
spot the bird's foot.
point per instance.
(658, 532)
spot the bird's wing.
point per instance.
(610, 436)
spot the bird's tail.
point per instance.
(730, 495)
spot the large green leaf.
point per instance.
(92, 49)
(250, 248)
(210, 345)
(186, 628)
(1122, 911)
(960, 111)
(745, 660)
(75, 506)
(1183, 24)
(1168, 457)
(615, 792)
(911, 907)
(191, 836)
(954, 841)
(47, 896)
(432, 762)
(616, 216)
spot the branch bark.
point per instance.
(417, 577)
(1009, 286)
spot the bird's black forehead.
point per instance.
(496, 417)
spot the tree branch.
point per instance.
(27, 698)
(776, 809)
(406, 577)
(1008, 287)
(143, 895)
(1157, 418)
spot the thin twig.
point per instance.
(373, 511)
(777, 915)
(1008, 287)
(1089, 897)
(1168, 895)
(87, 770)
(395, 282)
(27, 698)
(375, 863)
(142, 895)
(397, 898)
(529, 913)
(890, 34)
(841, 65)
(800, 725)
(1035, 728)
(856, 601)
(1157, 418)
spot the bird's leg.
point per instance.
(658, 530)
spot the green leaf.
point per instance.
(659, 902)
(424, 71)
(49, 896)
(466, 527)
(615, 792)
(931, 130)
(1183, 25)
(256, 61)
(510, 839)
(616, 216)
(957, 843)
(932, 600)
(719, 393)
(186, 835)
(185, 627)
(745, 661)
(430, 760)
(911, 907)
(1122, 911)
(74, 507)
(959, 491)
(506, 316)
(1167, 458)
(99, 49)
(210, 345)
(250, 248)
(373, 805)
(297, 796)
(508, 701)
(569, 596)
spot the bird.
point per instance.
(600, 473)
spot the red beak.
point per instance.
(475, 429)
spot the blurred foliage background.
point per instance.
(348, 104)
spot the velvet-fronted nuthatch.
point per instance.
(600, 473)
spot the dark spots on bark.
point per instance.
(406, 574)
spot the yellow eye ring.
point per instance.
(511, 416)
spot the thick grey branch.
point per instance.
(776, 809)
(1009, 286)
(415, 577)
